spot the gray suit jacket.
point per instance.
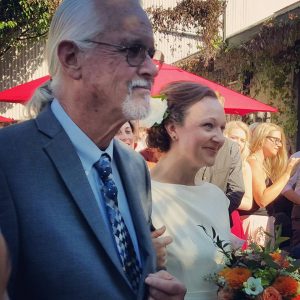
(60, 248)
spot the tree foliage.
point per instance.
(21, 20)
(197, 16)
(272, 56)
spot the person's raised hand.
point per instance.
(293, 162)
(160, 243)
(164, 286)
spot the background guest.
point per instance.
(126, 134)
(270, 173)
(238, 131)
(292, 192)
(252, 127)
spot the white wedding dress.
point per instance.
(192, 255)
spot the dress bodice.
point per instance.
(192, 255)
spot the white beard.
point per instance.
(136, 109)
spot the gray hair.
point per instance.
(39, 100)
(74, 20)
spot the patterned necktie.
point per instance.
(120, 232)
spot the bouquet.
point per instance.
(260, 273)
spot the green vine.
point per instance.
(192, 16)
(272, 57)
(24, 20)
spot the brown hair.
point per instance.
(132, 126)
(180, 96)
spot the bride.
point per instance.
(190, 133)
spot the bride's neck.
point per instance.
(171, 169)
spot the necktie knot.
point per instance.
(103, 166)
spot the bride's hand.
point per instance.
(160, 243)
(225, 294)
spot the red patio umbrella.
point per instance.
(235, 103)
(23, 92)
(5, 120)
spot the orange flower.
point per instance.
(271, 294)
(224, 272)
(286, 285)
(280, 259)
(235, 277)
(276, 256)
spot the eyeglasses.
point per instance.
(135, 54)
(275, 140)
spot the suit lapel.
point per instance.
(68, 165)
(135, 189)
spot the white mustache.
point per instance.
(140, 83)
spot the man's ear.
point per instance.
(68, 55)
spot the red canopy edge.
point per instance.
(234, 102)
(23, 92)
(6, 120)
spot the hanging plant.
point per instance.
(194, 16)
(272, 56)
(24, 20)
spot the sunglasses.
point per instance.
(135, 54)
(275, 140)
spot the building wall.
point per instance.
(174, 45)
(20, 66)
(244, 14)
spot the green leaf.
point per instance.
(213, 232)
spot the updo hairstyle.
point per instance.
(180, 96)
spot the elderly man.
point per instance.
(75, 204)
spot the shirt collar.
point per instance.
(87, 150)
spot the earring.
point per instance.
(174, 138)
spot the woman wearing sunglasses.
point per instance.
(270, 173)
